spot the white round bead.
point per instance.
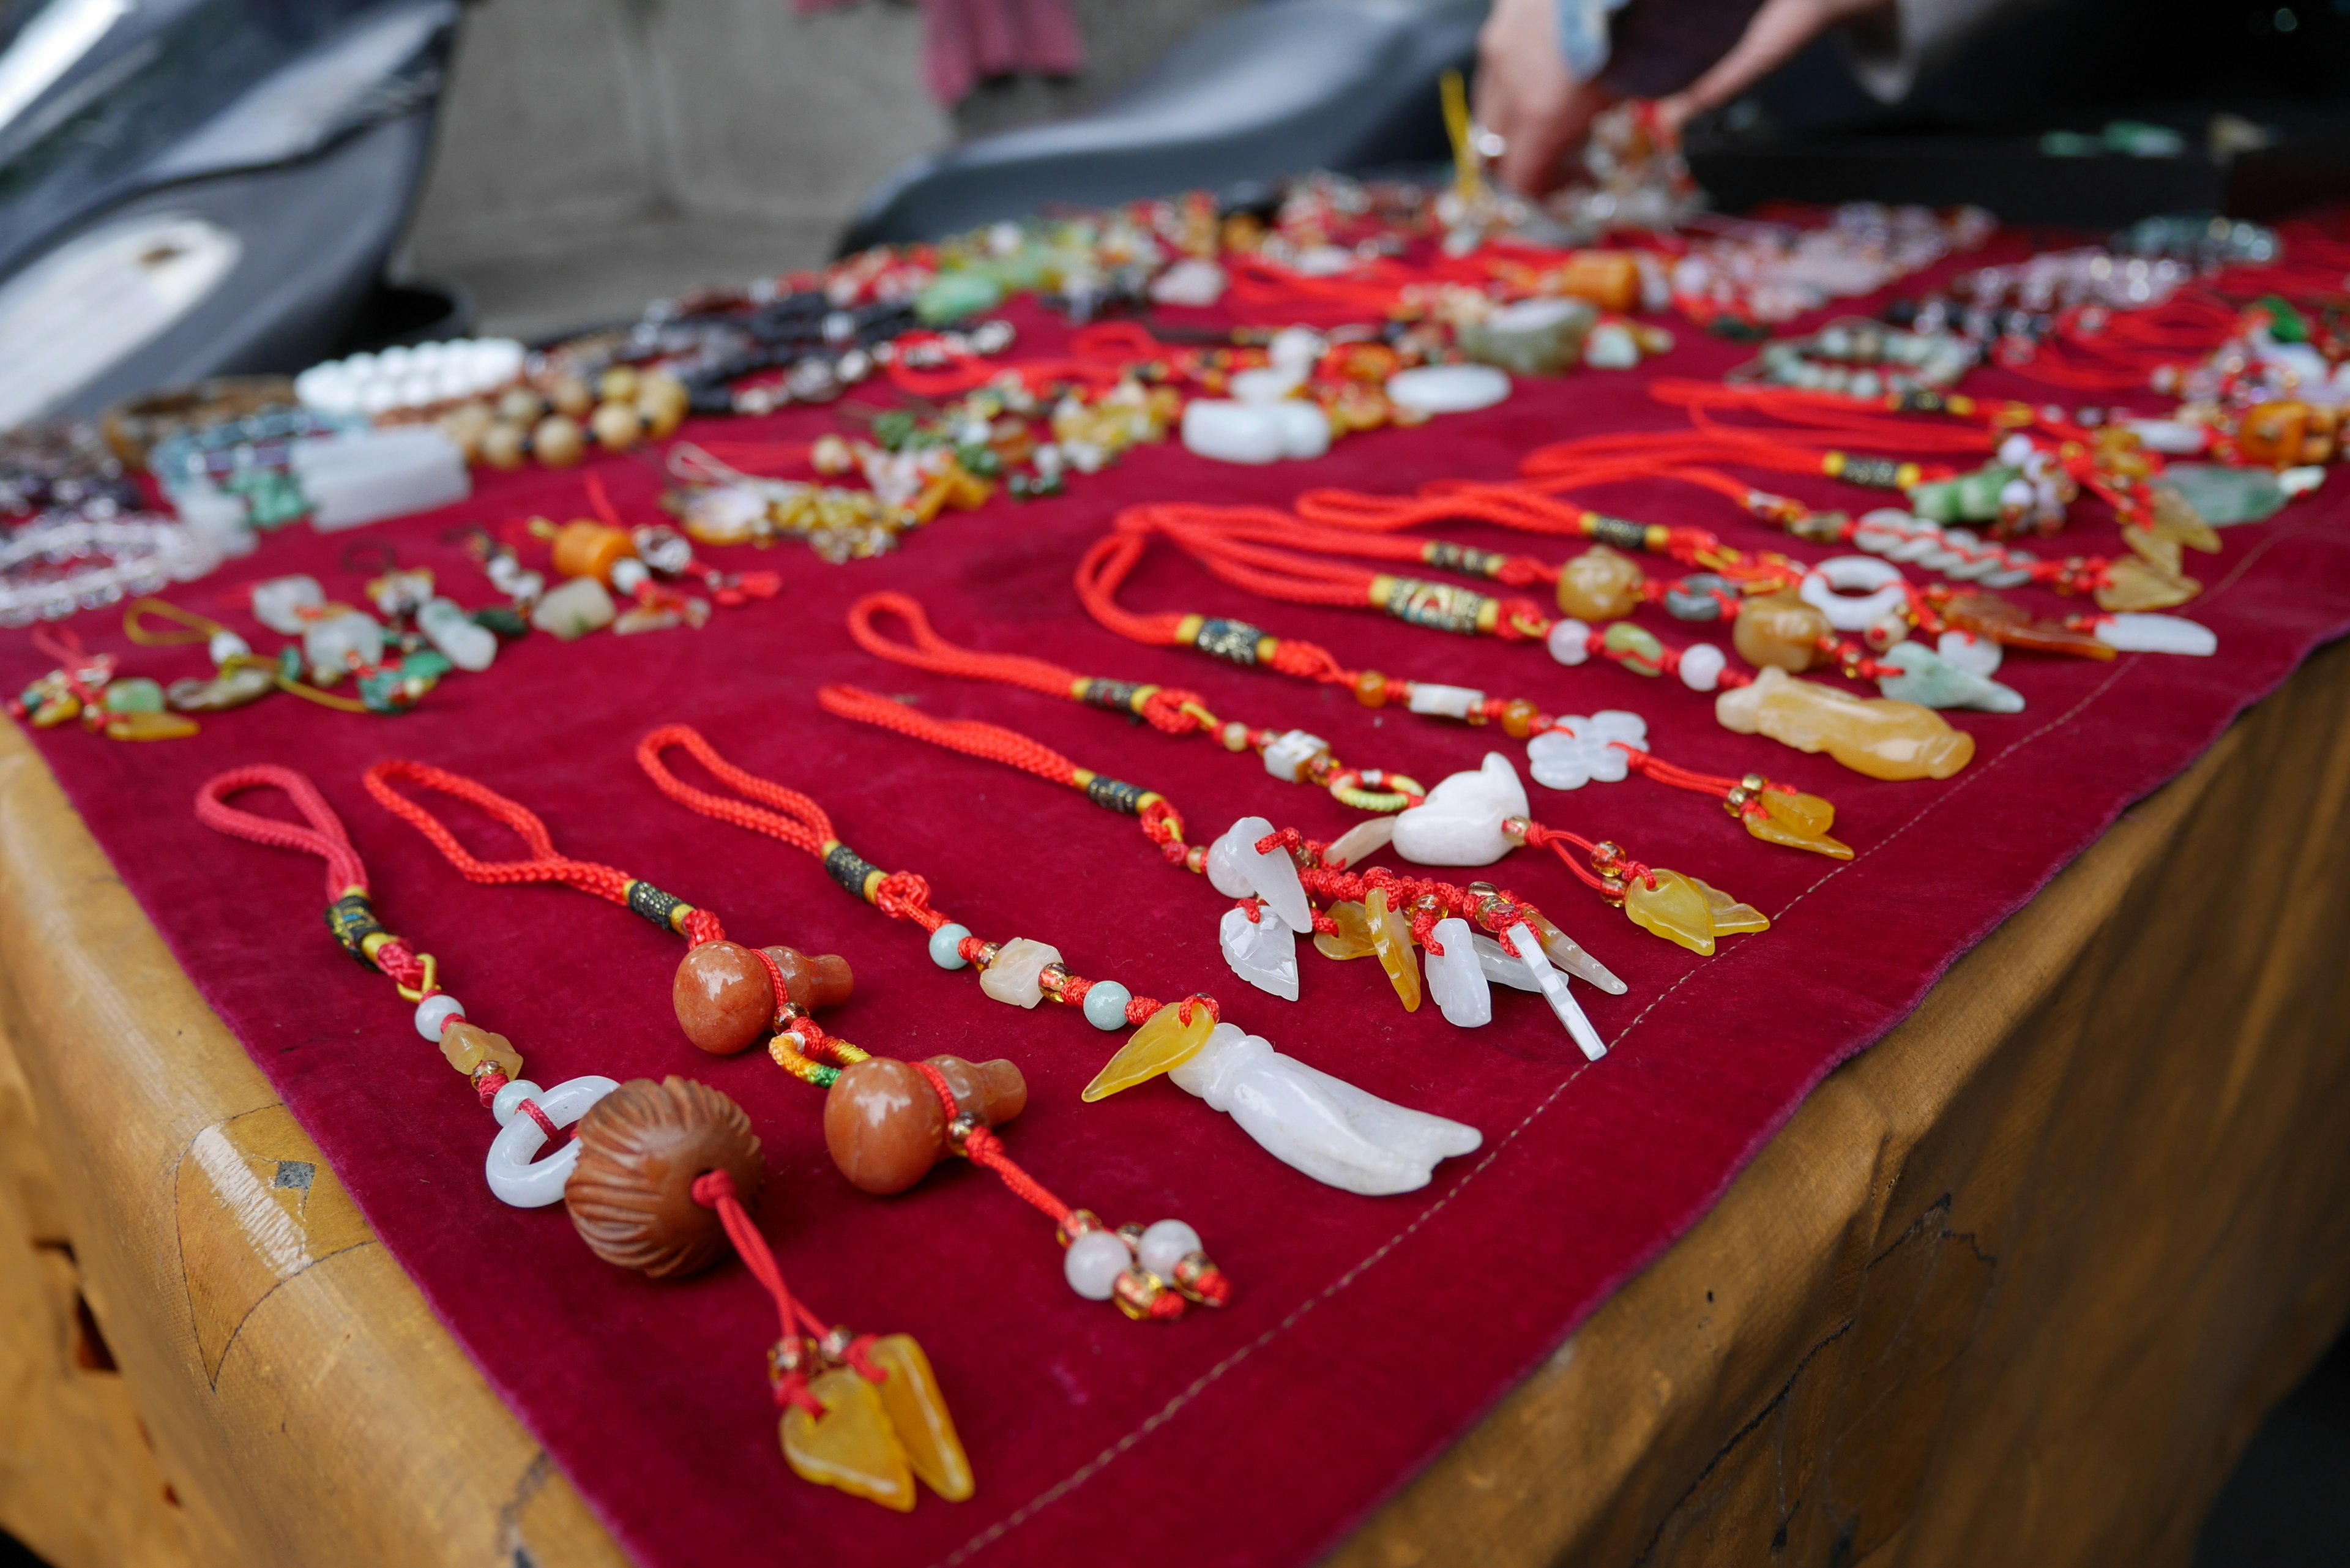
(2013, 451)
(1094, 1262)
(1700, 667)
(515, 1174)
(1166, 1244)
(433, 1014)
(628, 575)
(1570, 642)
(225, 645)
(508, 1102)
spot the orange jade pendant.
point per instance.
(1797, 821)
(1600, 583)
(918, 1414)
(1353, 940)
(1391, 943)
(1675, 909)
(2133, 584)
(1164, 1042)
(1873, 735)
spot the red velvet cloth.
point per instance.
(1364, 1333)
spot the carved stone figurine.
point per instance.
(884, 1124)
(725, 1000)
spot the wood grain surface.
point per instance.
(2012, 1287)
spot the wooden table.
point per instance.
(2015, 1286)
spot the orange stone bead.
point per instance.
(1778, 631)
(814, 984)
(1518, 717)
(1371, 689)
(723, 999)
(885, 1127)
(585, 549)
(1601, 584)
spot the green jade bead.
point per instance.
(1105, 1002)
(1637, 648)
(944, 941)
(137, 694)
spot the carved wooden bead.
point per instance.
(640, 1149)
(884, 1124)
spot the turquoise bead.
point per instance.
(943, 942)
(1106, 1004)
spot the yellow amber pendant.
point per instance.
(1391, 937)
(1874, 735)
(853, 1447)
(2173, 518)
(1797, 821)
(1676, 909)
(149, 727)
(918, 1413)
(1163, 1041)
(2133, 585)
(1729, 915)
(1353, 940)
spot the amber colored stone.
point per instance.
(813, 983)
(2272, 433)
(2176, 518)
(2162, 551)
(1601, 584)
(1609, 279)
(468, 1045)
(1391, 944)
(853, 1446)
(1778, 631)
(1797, 821)
(1987, 614)
(725, 1000)
(1675, 909)
(1164, 1042)
(641, 1146)
(149, 727)
(570, 395)
(1873, 735)
(556, 441)
(1353, 938)
(885, 1127)
(2134, 585)
(918, 1414)
(1371, 689)
(586, 549)
(1518, 717)
(617, 426)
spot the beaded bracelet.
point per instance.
(1331, 1130)
(887, 1121)
(658, 1177)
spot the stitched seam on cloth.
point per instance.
(1199, 1386)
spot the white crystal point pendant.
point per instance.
(1459, 823)
(1553, 986)
(1312, 1122)
(1366, 838)
(1455, 978)
(1237, 871)
(2133, 633)
(1578, 750)
(515, 1174)
(1262, 951)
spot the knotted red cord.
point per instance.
(715, 1190)
(985, 1149)
(797, 820)
(545, 865)
(325, 836)
(968, 736)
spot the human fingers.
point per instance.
(1777, 31)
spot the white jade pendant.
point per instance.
(1262, 951)
(1326, 1128)
(1236, 870)
(1578, 750)
(515, 1175)
(1459, 823)
(1553, 985)
(1456, 980)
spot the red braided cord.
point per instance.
(715, 1190)
(796, 820)
(545, 866)
(928, 651)
(985, 1149)
(965, 735)
(325, 837)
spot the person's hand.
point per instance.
(1777, 31)
(1526, 96)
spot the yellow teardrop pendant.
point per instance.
(1353, 940)
(1674, 908)
(1391, 937)
(1797, 821)
(1163, 1041)
(853, 1447)
(918, 1413)
(2135, 584)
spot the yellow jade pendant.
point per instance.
(1729, 915)
(918, 1414)
(1353, 940)
(2134, 585)
(1163, 1043)
(149, 727)
(1676, 909)
(1797, 821)
(1873, 735)
(1391, 938)
(854, 1447)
